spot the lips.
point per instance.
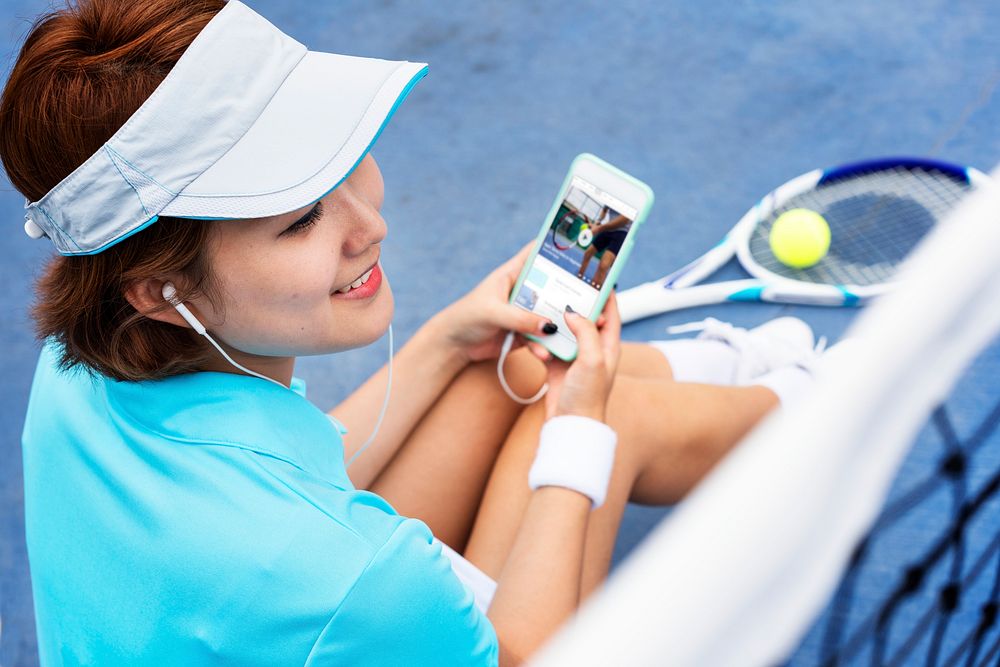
(368, 285)
(357, 283)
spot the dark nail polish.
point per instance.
(615, 287)
(550, 328)
(569, 309)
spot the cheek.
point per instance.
(302, 289)
(278, 300)
(290, 315)
(291, 287)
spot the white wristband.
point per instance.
(576, 453)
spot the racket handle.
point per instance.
(653, 298)
(814, 295)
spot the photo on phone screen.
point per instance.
(577, 255)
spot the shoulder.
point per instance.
(201, 408)
(221, 491)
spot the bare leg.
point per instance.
(440, 472)
(643, 361)
(670, 435)
(588, 254)
(607, 259)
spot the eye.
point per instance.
(306, 221)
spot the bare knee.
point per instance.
(643, 361)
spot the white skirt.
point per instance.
(477, 581)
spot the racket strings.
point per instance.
(933, 555)
(892, 212)
(874, 225)
(577, 207)
(876, 219)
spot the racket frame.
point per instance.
(680, 289)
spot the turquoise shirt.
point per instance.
(208, 519)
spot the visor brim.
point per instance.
(317, 127)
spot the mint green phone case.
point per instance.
(622, 259)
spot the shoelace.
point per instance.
(752, 361)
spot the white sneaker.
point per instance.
(792, 384)
(831, 357)
(779, 342)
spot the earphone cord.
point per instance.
(504, 351)
(239, 366)
(169, 292)
(385, 401)
(385, 405)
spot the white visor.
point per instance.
(247, 124)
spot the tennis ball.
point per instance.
(800, 238)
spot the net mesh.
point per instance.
(923, 585)
(876, 218)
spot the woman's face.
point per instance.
(281, 278)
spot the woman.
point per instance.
(184, 503)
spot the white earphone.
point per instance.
(170, 293)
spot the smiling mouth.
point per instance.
(357, 283)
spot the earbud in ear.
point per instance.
(169, 292)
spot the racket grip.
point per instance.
(815, 295)
(653, 298)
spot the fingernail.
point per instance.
(569, 309)
(550, 328)
(615, 287)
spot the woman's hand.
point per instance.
(582, 387)
(478, 322)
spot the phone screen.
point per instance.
(580, 248)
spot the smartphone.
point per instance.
(582, 247)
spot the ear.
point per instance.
(146, 296)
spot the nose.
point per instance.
(366, 227)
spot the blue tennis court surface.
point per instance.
(712, 104)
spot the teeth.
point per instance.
(357, 283)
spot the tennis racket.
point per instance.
(573, 229)
(878, 210)
(562, 233)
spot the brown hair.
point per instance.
(81, 73)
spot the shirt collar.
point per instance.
(242, 411)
